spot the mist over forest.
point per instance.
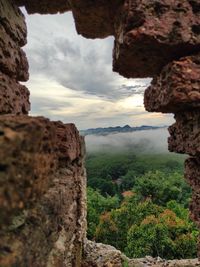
(137, 197)
(143, 142)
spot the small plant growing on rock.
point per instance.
(125, 263)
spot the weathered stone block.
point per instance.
(95, 19)
(177, 88)
(14, 97)
(185, 133)
(42, 193)
(13, 21)
(195, 208)
(97, 255)
(44, 6)
(192, 173)
(13, 61)
(150, 34)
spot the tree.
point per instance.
(128, 180)
(162, 187)
(166, 236)
(130, 212)
(98, 204)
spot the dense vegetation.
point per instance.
(139, 204)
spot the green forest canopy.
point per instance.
(139, 204)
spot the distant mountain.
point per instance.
(117, 129)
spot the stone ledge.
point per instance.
(101, 255)
(150, 34)
(185, 133)
(192, 173)
(13, 61)
(14, 97)
(42, 193)
(44, 6)
(31, 150)
(177, 88)
(95, 19)
(13, 21)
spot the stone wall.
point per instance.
(42, 193)
(14, 98)
(101, 255)
(42, 174)
(41, 171)
(150, 34)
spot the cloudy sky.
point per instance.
(71, 78)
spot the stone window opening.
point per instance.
(43, 179)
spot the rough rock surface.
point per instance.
(13, 22)
(149, 34)
(14, 97)
(185, 134)
(42, 181)
(13, 61)
(95, 19)
(192, 175)
(100, 255)
(177, 88)
(44, 6)
(158, 262)
(13, 33)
